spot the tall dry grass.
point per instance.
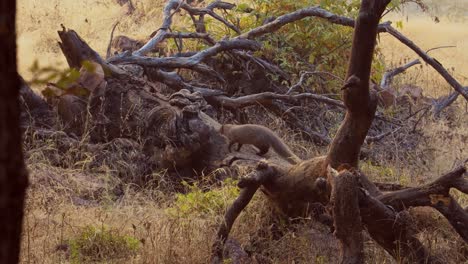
(38, 22)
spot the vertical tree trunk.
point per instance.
(13, 176)
(360, 105)
(343, 153)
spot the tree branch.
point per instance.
(435, 194)
(302, 79)
(267, 97)
(298, 15)
(388, 75)
(249, 185)
(193, 62)
(431, 61)
(167, 20)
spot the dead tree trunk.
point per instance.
(13, 175)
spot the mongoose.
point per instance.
(259, 136)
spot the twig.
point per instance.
(301, 79)
(373, 139)
(440, 47)
(110, 40)
(388, 75)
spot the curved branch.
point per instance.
(255, 99)
(315, 11)
(108, 52)
(193, 62)
(167, 21)
(249, 186)
(435, 194)
(302, 79)
(388, 75)
(209, 11)
(187, 62)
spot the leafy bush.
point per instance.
(97, 244)
(310, 44)
(198, 202)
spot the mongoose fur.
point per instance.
(259, 136)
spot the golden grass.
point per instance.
(38, 22)
(427, 34)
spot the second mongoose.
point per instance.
(259, 136)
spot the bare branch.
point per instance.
(110, 40)
(302, 79)
(167, 20)
(440, 47)
(388, 75)
(446, 101)
(370, 139)
(209, 11)
(431, 61)
(435, 194)
(249, 185)
(193, 62)
(255, 99)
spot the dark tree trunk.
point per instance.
(346, 146)
(13, 176)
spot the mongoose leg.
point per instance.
(239, 145)
(263, 151)
(230, 146)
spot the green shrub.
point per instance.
(309, 44)
(200, 203)
(97, 244)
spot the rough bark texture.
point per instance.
(13, 175)
(346, 215)
(393, 231)
(360, 104)
(176, 135)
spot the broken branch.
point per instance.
(249, 185)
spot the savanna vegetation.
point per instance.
(126, 163)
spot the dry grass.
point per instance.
(39, 21)
(427, 34)
(62, 201)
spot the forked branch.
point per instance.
(249, 185)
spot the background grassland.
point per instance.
(63, 203)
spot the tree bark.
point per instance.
(346, 146)
(13, 176)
